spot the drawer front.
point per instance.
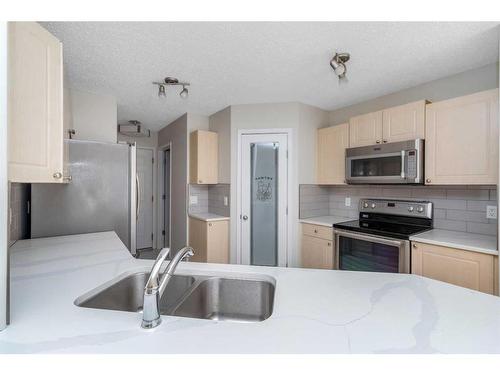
(318, 231)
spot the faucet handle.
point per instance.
(154, 280)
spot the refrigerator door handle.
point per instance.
(138, 197)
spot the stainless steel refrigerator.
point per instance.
(101, 196)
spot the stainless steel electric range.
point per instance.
(379, 240)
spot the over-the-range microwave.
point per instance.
(388, 163)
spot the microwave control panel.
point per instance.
(412, 164)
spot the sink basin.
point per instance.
(229, 299)
(193, 296)
(127, 294)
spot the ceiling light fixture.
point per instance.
(171, 81)
(184, 93)
(338, 64)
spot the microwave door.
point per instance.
(378, 168)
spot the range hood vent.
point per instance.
(134, 128)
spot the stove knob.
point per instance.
(410, 209)
(420, 209)
(374, 205)
(365, 205)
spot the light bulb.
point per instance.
(184, 93)
(161, 91)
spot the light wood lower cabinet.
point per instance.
(210, 240)
(317, 247)
(455, 266)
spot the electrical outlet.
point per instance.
(193, 199)
(348, 201)
(491, 212)
(226, 200)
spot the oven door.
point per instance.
(362, 252)
(388, 168)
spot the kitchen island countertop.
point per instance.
(315, 311)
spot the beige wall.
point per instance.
(93, 116)
(220, 123)
(175, 134)
(464, 83)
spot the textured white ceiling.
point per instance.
(237, 63)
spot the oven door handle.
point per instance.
(370, 238)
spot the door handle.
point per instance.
(244, 217)
(138, 197)
(403, 154)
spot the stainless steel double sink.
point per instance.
(237, 299)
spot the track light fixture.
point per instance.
(338, 64)
(171, 81)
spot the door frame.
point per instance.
(160, 206)
(290, 177)
(155, 195)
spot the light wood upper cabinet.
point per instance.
(35, 104)
(210, 240)
(459, 267)
(462, 140)
(394, 124)
(203, 159)
(330, 160)
(317, 247)
(404, 122)
(365, 130)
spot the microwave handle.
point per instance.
(403, 155)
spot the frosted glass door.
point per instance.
(264, 204)
(264, 199)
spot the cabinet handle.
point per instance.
(57, 175)
(209, 224)
(329, 244)
(414, 245)
(315, 231)
(385, 141)
(200, 181)
(428, 180)
(377, 141)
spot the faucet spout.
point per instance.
(155, 286)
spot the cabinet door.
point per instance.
(462, 140)
(218, 241)
(198, 239)
(459, 267)
(332, 143)
(35, 100)
(365, 130)
(204, 151)
(404, 122)
(317, 253)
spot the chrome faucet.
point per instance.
(155, 287)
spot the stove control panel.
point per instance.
(397, 207)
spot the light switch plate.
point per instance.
(491, 212)
(193, 199)
(226, 200)
(348, 201)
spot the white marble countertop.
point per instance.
(315, 311)
(207, 216)
(326, 221)
(460, 240)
